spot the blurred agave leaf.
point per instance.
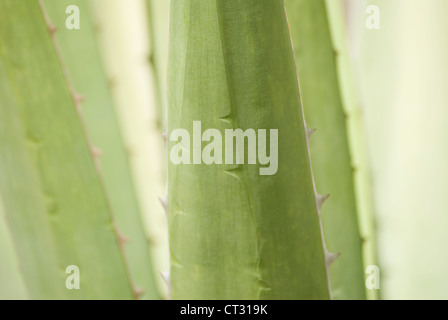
(159, 13)
(57, 210)
(82, 60)
(332, 165)
(233, 233)
(12, 285)
(341, 33)
(123, 40)
(403, 72)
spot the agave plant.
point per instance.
(258, 205)
(256, 236)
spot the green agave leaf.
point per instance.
(332, 164)
(235, 234)
(54, 201)
(12, 285)
(82, 61)
(355, 117)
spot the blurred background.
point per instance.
(402, 77)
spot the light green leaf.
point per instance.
(81, 58)
(330, 155)
(123, 40)
(158, 14)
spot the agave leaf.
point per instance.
(235, 234)
(403, 72)
(123, 41)
(158, 13)
(82, 60)
(54, 201)
(330, 155)
(12, 285)
(342, 30)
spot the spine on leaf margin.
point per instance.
(318, 65)
(235, 234)
(45, 158)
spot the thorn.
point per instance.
(336, 52)
(166, 277)
(130, 150)
(112, 81)
(164, 203)
(151, 240)
(96, 152)
(122, 239)
(138, 293)
(97, 28)
(79, 98)
(228, 118)
(330, 258)
(309, 132)
(321, 200)
(165, 136)
(151, 58)
(52, 29)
